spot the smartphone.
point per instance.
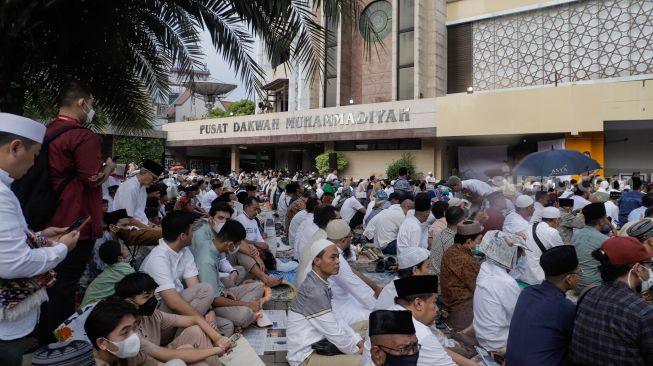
(78, 224)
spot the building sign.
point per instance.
(379, 116)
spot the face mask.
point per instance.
(127, 348)
(477, 250)
(646, 285)
(89, 114)
(233, 252)
(392, 360)
(148, 308)
(218, 226)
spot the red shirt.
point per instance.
(76, 152)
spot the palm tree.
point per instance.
(124, 49)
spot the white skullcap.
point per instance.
(550, 213)
(21, 126)
(319, 246)
(604, 184)
(412, 256)
(523, 201)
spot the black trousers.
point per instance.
(61, 296)
(11, 352)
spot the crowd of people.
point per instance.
(168, 265)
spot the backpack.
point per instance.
(37, 197)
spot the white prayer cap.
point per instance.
(412, 256)
(550, 213)
(21, 126)
(604, 184)
(319, 246)
(523, 201)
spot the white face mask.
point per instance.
(648, 284)
(218, 226)
(127, 348)
(90, 114)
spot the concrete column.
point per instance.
(438, 170)
(235, 157)
(329, 145)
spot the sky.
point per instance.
(221, 71)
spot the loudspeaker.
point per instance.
(333, 161)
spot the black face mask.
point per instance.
(392, 360)
(148, 308)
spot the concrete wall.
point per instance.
(362, 164)
(466, 9)
(627, 156)
(571, 108)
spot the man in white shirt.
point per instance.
(172, 262)
(132, 195)
(352, 211)
(251, 208)
(496, 291)
(354, 295)
(541, 199)
(518, 221)
(20, 142)
(311, 317)
(322, 216)
(285, 199)
(295, 223)
(611, 207)
(305, 231)
(475, 186)
(414, 261)
(639, 213)
(384, 227)
(208, 197)
(412, 231)
(548, 237)
(581, 198)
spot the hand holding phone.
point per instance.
(78, 224)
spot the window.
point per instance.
(406, 50)
(371, 145)
(331, 64)
(459, 58)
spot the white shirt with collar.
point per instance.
(207, 198)
(251, 228)
(411, 233)
(612, 211)
(349, 208)
(384, 227)
(293, 229)
(304, 233)
(386, 298)
(18, 260)
(168, 268)
(550, 237)
(353, 299)
(132, 196)
(495, 298)
(537, 213)
(515, 223)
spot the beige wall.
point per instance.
(362, 164)
(463, 9)
(572, 108)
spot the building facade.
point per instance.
(472, 84)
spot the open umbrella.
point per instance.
(553, 163)
(176, 167)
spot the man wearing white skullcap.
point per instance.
(541, 236)
(26, 259)
(414, 261)
(311, 318)
(518, 221)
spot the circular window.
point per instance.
(376, 21)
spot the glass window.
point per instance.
(406, 14)
(330, 92)
(345, 145)
(405, 83)
(410, 144)
(406, 49)
(387, 145)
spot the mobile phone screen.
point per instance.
(78, 224)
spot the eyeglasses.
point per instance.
(410, 349)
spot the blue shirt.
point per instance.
(637, 214)
(541, 327)
(628, 202)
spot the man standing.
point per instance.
(26, 259)
(412, 232)
(587, 240)
(543, 313)
(518, 221)
(132, 194)
(76, 168)
(569, 220)
(542, 236)
(612, 208)
(630, 200)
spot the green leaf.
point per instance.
(322, 162)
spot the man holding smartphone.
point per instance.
(76, 165)
(26, 259)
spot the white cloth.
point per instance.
(22, 126)
(495, 298)
(168, 267)
(251, 227)
(132, 196)
(17, 260)
(368, 210)
(386, 298)
(410, 234)
(349, 208)
(206, 200)
(550, 237)
(514, 224)
(432, 352)
(353, 299)
(479, 187)
(579, 202)
(282, 207)
(304, 233)
(612, 211)
(292, 230)
(384, 227)
(424, 241)
(537, 213)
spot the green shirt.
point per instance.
(207, 258)
(587, 240)
(104, 284)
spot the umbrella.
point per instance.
(182, 171)
(553, 163)
(177, 167)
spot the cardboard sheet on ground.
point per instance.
(243, 355)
